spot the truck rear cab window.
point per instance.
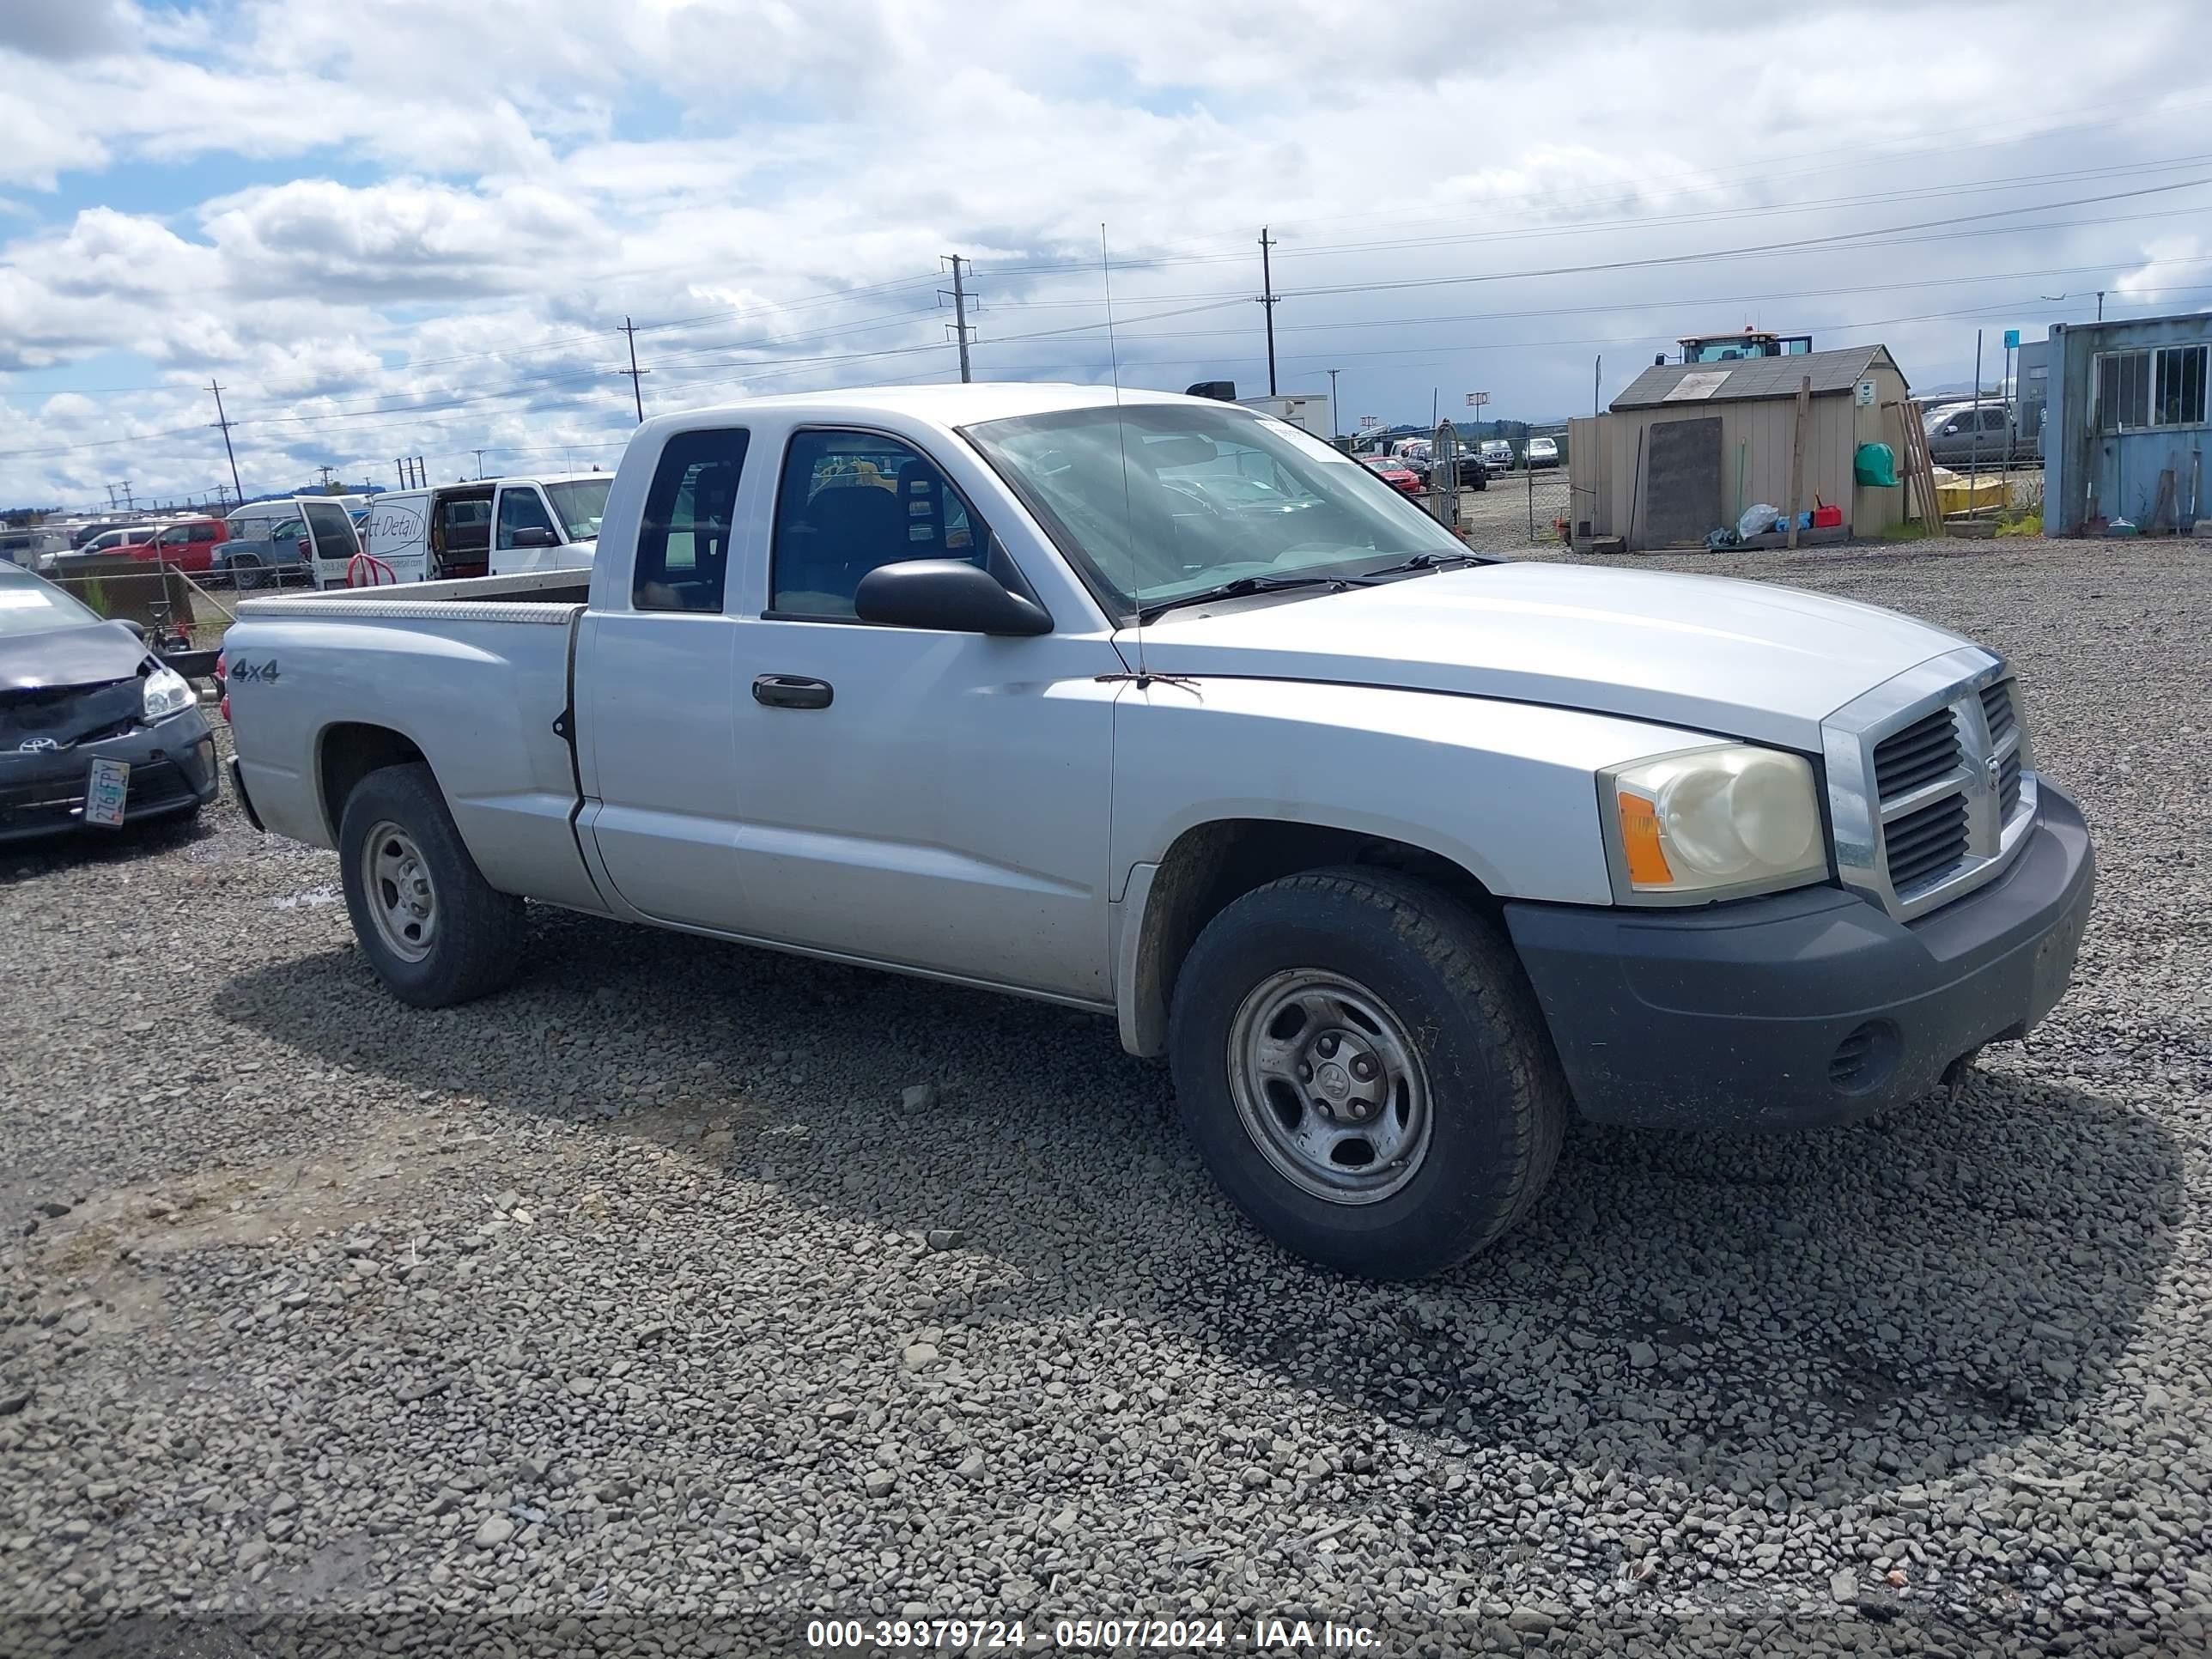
(852, 501)
(683, 543)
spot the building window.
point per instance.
(2163, 386)
(2178, 389)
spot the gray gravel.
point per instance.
(684, 1288)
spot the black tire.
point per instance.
(478, 946)
(1497, 1103)
(246, 574)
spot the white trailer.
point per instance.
(1308, 411)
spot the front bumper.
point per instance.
(1809, 1007)
(173, 769)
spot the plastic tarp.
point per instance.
(1874, 465)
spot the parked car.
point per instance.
(94, 729)
(1396, 473)
(30, 548)
(500, 525)
(1967, 434)
(85, 532)
(121, 539)
(1399, 854)
(1472, 474)
(188, 544)
(1496, 455)
(264, 543)
(1541, 453)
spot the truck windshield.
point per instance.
(1211, 495)
(581, 505)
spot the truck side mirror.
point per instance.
(536, 535)
(950, 595)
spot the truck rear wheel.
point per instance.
(435, 930)
(1366, 1071)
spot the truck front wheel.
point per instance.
(435, 930)
(1365, 1071)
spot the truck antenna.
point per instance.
(1122, 440)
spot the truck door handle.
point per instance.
(792, 691)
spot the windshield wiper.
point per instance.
(1247, 585)
(1428, 561)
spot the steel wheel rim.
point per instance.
(403, 900)
(1329, 1086)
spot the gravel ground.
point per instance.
(684, 1288)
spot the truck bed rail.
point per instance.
(547, 598)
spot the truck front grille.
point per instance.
(1929, 786)
(1917, 755)
(1924, 843)
(1997, 709)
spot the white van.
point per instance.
(489, 526)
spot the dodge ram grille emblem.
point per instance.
(1992, 769)
(36, 746)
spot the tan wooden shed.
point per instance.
(1687, 447)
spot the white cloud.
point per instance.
(471, 196)
(65, 29)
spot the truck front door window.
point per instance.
(851, 502)
(683, 543)
(520, 509)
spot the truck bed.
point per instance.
(473, 675)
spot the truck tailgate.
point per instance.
(477, 686)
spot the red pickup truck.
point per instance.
(188, 544)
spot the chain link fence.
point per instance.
(1515, 510)
(169, 603)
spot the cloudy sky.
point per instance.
(413, 227)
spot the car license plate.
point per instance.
(107, 792)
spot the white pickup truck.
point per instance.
(1157, 707)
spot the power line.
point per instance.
(1647, 221)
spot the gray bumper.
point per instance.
(173, 769)
(1803, 1008)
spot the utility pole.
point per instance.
(223, 421)
(1267, 298)
(1597, 381)
(2101, 304)
(1334, 430)
(959, 313)
(479, 454)
(326, 472)
(636, 390)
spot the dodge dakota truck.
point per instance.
(1157, 706)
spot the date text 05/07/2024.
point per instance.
(1099, 1635)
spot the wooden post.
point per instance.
(1797, 456)
(1635, 495)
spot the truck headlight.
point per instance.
(1708, 823)
(167, 692)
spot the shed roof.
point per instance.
(1751, 378)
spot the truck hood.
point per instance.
(1737, 657)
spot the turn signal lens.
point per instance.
(1639, 840)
